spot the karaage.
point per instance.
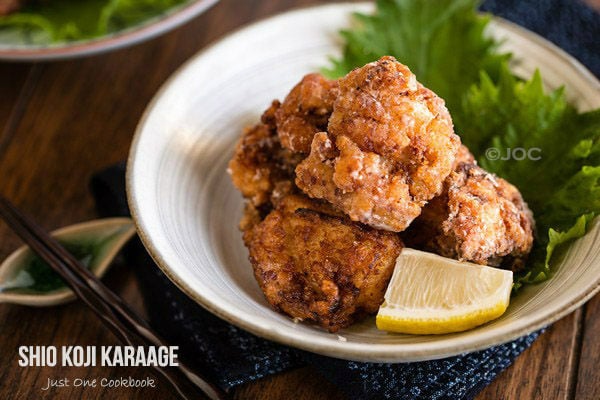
(479, 218)
(259, 163)
(319, 267)
(305, 111)
(388, 148)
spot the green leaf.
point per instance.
(442, 42)
(548, 150)
(540, 271)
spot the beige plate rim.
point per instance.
(371, 352)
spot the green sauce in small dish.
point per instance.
(37, 276)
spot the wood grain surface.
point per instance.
(62, 121)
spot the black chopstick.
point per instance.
(110, 308)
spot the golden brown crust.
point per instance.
(479, 218)
(259, 163)
(317, 267)
(463, 156)
(388, 148)
(363, 185)
(305, 111)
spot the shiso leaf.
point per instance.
(442, 42)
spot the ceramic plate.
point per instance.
(133, 35)
(187, 210)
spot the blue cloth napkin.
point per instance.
(569, 24)
(231, 356)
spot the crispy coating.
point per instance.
(305, 111)
(479, 218)
(259, 163)
(383, 109)
(253, 215)
(362, 184)
(318, 267)
(463, 156)
(285, 196)
(388, 149)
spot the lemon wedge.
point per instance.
(429, 294)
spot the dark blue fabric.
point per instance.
(569, 24)
(232, 356)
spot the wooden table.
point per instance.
(60, 122)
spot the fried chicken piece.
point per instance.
(319, 267)
(383, 109)
(479, 218)
(388, 149)
(305, 111)
(253, 215)
(463, 156)
(260, 163)
(362, 184)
